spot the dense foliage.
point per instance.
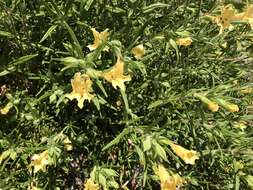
(106, 94)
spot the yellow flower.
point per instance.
(99, 38)
(90, 185)
(138, 51)
(81, 86)
(6, 108)
(40, 161)
(188, 156)
(168, 182)
(224, 20)
(116, 75)
(184, 41)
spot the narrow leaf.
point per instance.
(5, 34)
(48, 33)
(141, 155)
(155, 104)
(159, 150)
(154, 6)
(147, 143)
(117, 139)
(18, 61)
(87, 4)
(23, 59)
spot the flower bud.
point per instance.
(228, 106)
(212, 106)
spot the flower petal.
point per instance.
(188, 156)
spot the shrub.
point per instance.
(126, 94)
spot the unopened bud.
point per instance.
(228, 106)
(212, 106)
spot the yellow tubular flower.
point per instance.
(167, 181)
(184, 41)
(40, 161)
(90, 185)
(188, 156)
(116, 75)
(99, 38)
(224, 20)
(81, 85)
(138, 51)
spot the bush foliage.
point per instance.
(128, 94)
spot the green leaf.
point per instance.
(115, 46)
(5, 34)
(164, 140)
(96, 103)
(23, 59)
(147, 143)
(113, 184)
(16, 62)
(87, 4)
(115, 9)
(93, 173)
(7, 71)
(123, 93)
(13, 154)
(159, 150)
(249, 179)
(109, 172)
(117, 139)
(70, 61)
(174, 46)
(154, 6)
(141, 155)
(102, 180)
(155, 104)
(100, 85)
(6, 154)
(48, 33)
(237, 182)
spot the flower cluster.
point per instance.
(82, 84)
